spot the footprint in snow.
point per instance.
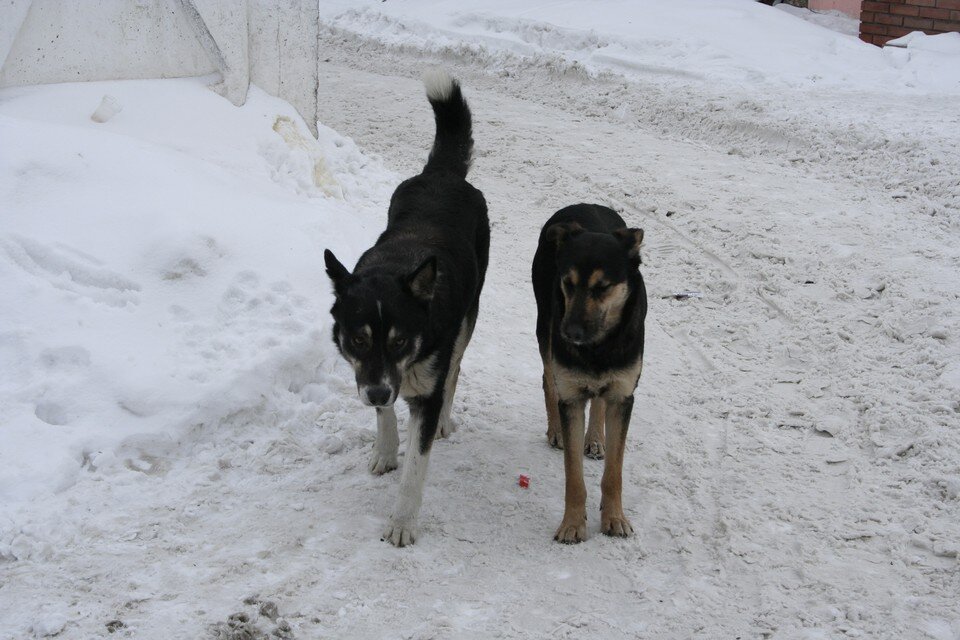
(71, 270)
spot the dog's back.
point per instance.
(592, 217)
(438, 212)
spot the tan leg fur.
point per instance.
(613, 522)
(552, 403)
(573, 527)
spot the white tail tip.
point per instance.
(439, 84)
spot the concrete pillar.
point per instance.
(221, 29)
(12, 15)
(272, 43)
(284, 52)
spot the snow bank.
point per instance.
(162, 270)
(732, 42)
(831, 19)
(946, 43)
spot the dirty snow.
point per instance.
(183, 453)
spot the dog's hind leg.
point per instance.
(421, 429)
(613, 522)
(573, 527)
(388, 441)
(594, 446)
(447, 425)
(552, 402)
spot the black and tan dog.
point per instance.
(403, 318)
(591, 306)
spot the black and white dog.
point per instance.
(403, 318)
(591, 306)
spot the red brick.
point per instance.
(923, 3)
(944, 25)
(896, 32)
(905, 10)
(949, 4)
(875, 6)
(887, 18)
(918, 23)
(955, 15)
(930, 12)
(877, 29)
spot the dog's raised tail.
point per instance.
(453, 143)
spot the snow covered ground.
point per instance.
(180, 442)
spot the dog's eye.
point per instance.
(603, 287)
(360, 341)
(399, 343)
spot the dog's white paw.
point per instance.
(594, 450)
(446, 427)
(400, 533)
(382, 463)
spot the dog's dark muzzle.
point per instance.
(574, 333)
(578, 333)
(377, 395)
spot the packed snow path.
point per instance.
(794, 451)
(793, 459)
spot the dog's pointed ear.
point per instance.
(337, 272)
(423, 280)
(630, 240)
(560, 233)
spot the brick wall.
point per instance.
(888, 19)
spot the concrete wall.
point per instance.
(849, 7)
(272, 43)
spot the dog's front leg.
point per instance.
(422, 427)
(573, 528)
(388, 441)
(612, 520)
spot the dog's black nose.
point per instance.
(574, 332)
(379, 396)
